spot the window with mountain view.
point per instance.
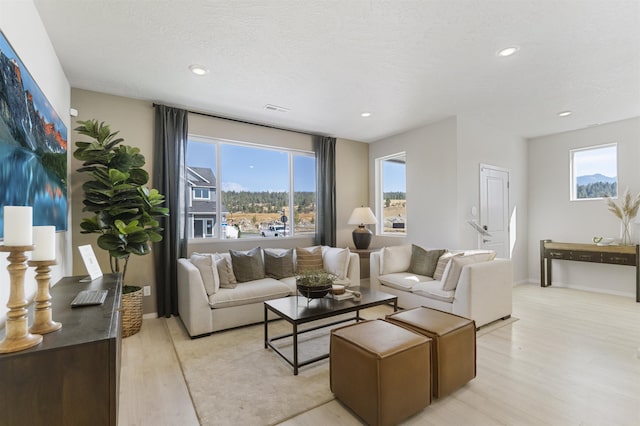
(248, 191)
(594, 172)
(392, 195)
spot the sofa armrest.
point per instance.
(374, 270)
(484, 291)
(353, 271)
(193, 303)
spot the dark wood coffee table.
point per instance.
(298, 310)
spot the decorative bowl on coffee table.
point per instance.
(314, 292)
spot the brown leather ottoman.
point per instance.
(380, 371)
(453, 348)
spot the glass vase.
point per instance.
(625, 233)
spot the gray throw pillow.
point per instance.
(247, 265)
(424, 262)
(278, 264)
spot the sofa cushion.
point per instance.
(402, 280)
(395, 259)
(208, 271)
(247, 265)
(249, 292)
(433, 290)
(309, 259)
(443, 261)
(336, 261)
(278, 263)
(424, 262)
(225, 271)
(450, 278)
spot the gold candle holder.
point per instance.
(43, 323)
(17, 336)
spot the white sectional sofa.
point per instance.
(472, 284)
(208, 301)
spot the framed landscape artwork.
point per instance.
(33, 146)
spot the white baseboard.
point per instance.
(150, 316)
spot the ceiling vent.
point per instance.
(276, 108)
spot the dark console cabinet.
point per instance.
(614, 255)
(72, 377)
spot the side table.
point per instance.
(365, 255)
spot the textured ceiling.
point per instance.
(408, 62)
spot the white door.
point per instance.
(494, 209)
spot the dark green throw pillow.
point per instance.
(247, 265)
(278, 264)
(424, 262)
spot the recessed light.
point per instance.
(365, 114)
(199, 69)
(564, 113)
(277, 108)
(507, 51)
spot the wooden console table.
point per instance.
(615, 255)
(72, 377)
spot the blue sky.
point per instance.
(596, 160)
(39, 100)
(253, 169)
(395, 177)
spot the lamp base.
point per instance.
(362, 237)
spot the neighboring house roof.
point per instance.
(201, 177)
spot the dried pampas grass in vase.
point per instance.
(625, 212)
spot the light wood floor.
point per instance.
(572, 358)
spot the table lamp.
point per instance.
(362, 216)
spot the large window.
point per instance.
(249, 191)
(594, 172)
(392, 194)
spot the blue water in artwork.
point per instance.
(25, 182)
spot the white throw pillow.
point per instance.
(395, 259)
(225, 270)
(208, 271)
(443, 261)
(451, 276)
(336, 261)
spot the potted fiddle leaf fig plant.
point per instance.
(124, 211)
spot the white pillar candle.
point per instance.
(44, 240)
(18, 224)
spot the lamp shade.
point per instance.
(362, 216)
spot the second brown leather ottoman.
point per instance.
(453, 346)
(380, 371)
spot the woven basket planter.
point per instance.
(131, 313)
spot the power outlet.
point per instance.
(146, 290)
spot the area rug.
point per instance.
(234, 380)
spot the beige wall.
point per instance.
(134, 120)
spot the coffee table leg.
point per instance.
(295, 349)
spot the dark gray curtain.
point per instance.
(170, 145)
(325, 148)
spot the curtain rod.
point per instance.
(244, 121)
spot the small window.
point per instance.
(594, 172)
(200, 194)
(392, 194)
